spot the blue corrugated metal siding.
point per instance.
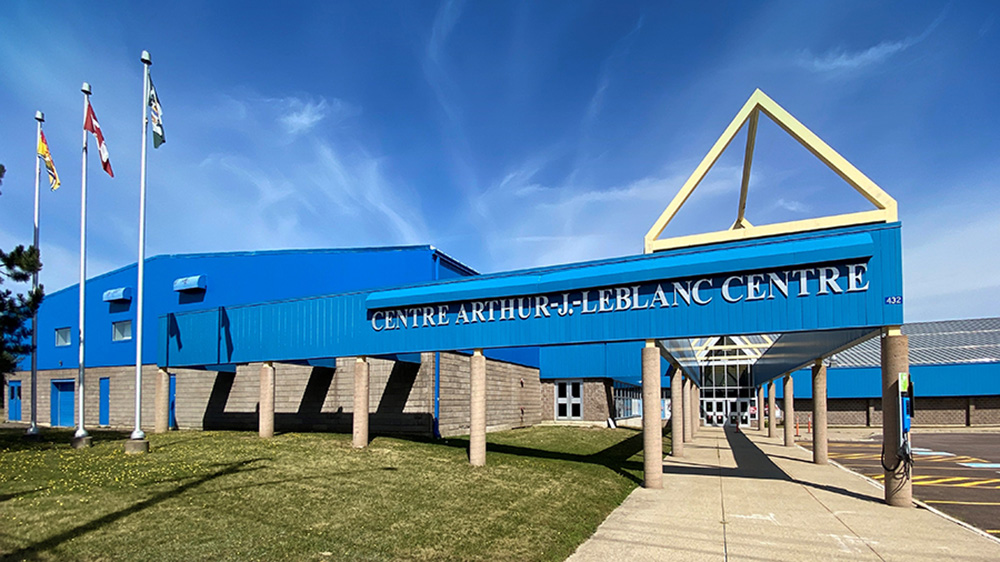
(969, 379)
(319, 327)
(236, 278)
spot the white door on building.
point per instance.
(569, 400)
(716, 412)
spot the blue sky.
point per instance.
(507, 134)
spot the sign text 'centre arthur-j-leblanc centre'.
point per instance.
(799, 283)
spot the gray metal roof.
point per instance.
(974, 340)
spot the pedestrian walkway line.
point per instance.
(963, 459)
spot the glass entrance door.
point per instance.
(716, 412)
(569, 400)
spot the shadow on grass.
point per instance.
(751, 462)
(13, 439)
(187, 439)
(324, 476)
(614, 458)
(33, 551)
(5, 497)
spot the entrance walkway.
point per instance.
(742, 496)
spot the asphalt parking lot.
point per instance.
(957, 473)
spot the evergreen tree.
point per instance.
(16, 310)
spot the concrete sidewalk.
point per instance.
(742, 496)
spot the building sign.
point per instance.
(731, 290)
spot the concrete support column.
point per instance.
(677, 414)
(819, 413)
(477, 409)
(161, 412)
(361, 401)
(789, 412)
(772, 410)
(265, 425)
(652, 418)
(686, 401)
(695, 409)
(760, 408)
(895, 360)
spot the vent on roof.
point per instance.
(119, 294)
(192, 283)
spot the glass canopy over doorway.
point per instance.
(726, 366)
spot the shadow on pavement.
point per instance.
(751, 462)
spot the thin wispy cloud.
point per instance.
(792, 205)
(621, 50)
(303, 116)
(840, 59)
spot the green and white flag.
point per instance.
(156, 116)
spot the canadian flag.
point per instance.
(91, 124)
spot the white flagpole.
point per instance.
(33, 429)
(80, 431)
(137, 433)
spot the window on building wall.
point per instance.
(62, 337)
(121, 331)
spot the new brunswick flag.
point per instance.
(50, 166)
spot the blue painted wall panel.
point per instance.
(970, 379)
(619, 361)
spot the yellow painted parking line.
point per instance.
(940, 481)
(993, 531)
(978, 483)
(855, 456)
(952, 502)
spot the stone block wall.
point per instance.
(984, 410)
(598, 399)
(512, 393)
(940, 411)
(121, 390)
(308, 398)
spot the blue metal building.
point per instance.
(214, 395)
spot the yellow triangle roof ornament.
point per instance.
(885, 206)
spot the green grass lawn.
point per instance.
(309, 496)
